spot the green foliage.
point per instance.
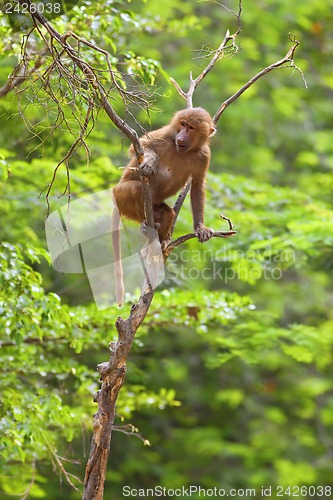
(46, 354)
(229, 378)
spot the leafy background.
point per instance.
(230, 378)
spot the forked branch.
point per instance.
(288, 60)
(218, 54)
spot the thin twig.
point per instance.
(57, 460)
(194, 82)
(179, 203)
(32, 482)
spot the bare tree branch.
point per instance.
(218, 53)
(58, 465)
(188, 96)
(131, 430)
(179, 203)
(182, 239)
(288, 58)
